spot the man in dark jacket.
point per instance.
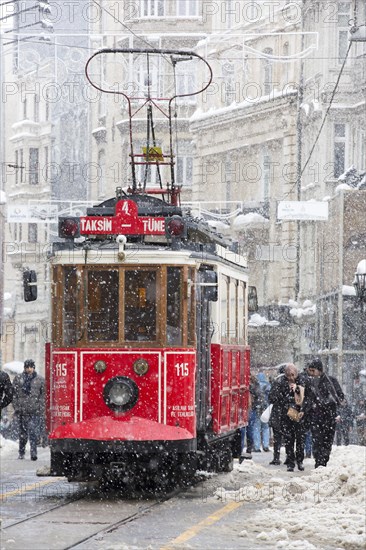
(288, 393)
(326, 397)
(28, 405)
(6, 390)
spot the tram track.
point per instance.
(43, 512)
(133, 517)
(90, 520)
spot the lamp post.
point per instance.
(359, 282)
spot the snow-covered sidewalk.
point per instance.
(315, 509)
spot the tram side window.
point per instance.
(174, 306)
(140, 305)
(224, 309)
(102, 306)
(70, 309)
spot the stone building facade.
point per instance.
(268, 129)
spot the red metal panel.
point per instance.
(230, 383)
(166, 391)
(119, 363)
(63, 387)
(179, 395)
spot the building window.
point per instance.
(343, 28)
(46, 162)
(147, 76)
(36, 108)
(25, 108)
(19, 167)
(339, 149)
(101, 173)
(33, 166)
(187, 8)
(267, 68)
(229, 83)
(186, 81)
(32, 233)
(286, 53)
(266, 174)
(184, 170)
(184, 164)
(16, 167)
(152, 8)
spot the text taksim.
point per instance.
(88, 225)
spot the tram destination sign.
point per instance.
(303, 210)
(126, 221)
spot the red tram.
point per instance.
(148, 367)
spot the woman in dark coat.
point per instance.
(289, 393)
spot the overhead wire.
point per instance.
(328, 108)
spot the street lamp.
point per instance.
(359, 281)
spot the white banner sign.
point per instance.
(303, 210)
(35, 213)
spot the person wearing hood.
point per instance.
(28, 403)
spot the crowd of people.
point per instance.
(306, 413)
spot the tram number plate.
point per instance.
(182, 369)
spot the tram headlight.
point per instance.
(100, 366)
(141, 366)
(121, 393)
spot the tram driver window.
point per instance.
(102, 306)
(70, 306)
(140, 305)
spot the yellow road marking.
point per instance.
(210, 520)
(3, 496)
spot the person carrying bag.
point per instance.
(288, 397)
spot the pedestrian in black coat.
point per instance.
(6, 390)
(288, 393)
(325, 397)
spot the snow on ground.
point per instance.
(325, 506)
(7, 446)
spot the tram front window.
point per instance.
(70, 309)
(140, 305)
(102, 306)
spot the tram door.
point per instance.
(206, 291)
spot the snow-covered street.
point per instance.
(322, 508)
(256, 506)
